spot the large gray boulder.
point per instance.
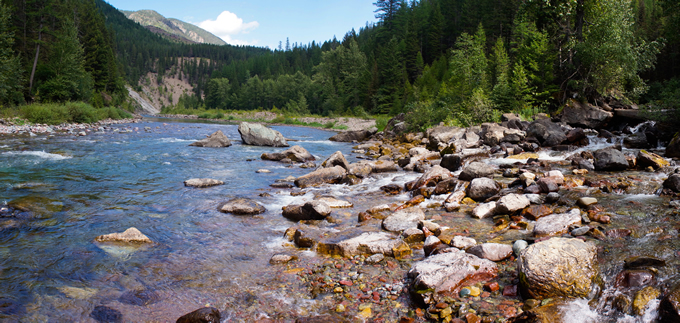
(242, 206)
(215, 140)
(351, 136)
(585, 115)
(403, 219)
(546, 132)
(440, 136)
(610, 159)
(476, 170)
(256, 134)
(296, 154)
(331, 175)
(482, 188)
(558, 267)
(444, 274)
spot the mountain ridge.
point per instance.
(172, 28)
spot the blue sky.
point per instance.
(265, 22)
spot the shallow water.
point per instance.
(52, 270)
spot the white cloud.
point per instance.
(227, 25)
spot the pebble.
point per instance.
(374, 259)
(465, 292)
(586, 201)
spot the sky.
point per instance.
(265, 23)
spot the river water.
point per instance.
(82, 187)
(52, 270)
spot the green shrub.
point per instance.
(205, 115)
(329, 124)
(279, 119)
(219, 115)
(80, 112)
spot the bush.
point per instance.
(71, 112)
(329, 124)
(80, 112)
(279, 119)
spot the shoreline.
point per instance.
(351, 123)
(10, 128)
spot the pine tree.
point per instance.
(10, 69)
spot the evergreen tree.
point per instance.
(10, 69)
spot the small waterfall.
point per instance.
(640, 126)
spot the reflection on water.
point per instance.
(50, 268)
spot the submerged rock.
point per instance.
(201, 315)
(202, 182)
(256, 134)
(215, 140)
(105, 314)
(558, 267)
(131, 235)
(295, 154)
(281, 259)
(142, 297)
(444, 274)
(242, 206)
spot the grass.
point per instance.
(69, 112)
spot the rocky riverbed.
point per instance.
(19, 127)
(522, 221)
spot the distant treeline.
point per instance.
(458, 61)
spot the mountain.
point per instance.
(172, 28)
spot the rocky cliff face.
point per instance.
(172, 28)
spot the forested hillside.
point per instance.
(458, 61)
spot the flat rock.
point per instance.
(484, 210)
(215, 140)
(131, 235)
(256, 134)
(556, 224)
(332, 175)
(403, 219)
(558, 267)
(491, 251)
(202, 182)
(586, 201)
(444, 274)
(512, 203)
(370, 243)
(295, 154)
(242, 206)
(482, 188)
(334, 203)
(281, 259)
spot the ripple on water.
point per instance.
(40, 154)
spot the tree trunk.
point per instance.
(35, 61)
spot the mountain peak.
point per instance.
(174, 29)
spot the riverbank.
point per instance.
(272, 118)
(18, 126)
